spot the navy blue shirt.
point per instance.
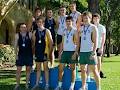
(40, 43)
(50, 24)
(25, 46)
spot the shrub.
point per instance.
(7, 54)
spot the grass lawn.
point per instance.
(111, 68)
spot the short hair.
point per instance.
(40, 18)
(69, 18)
(73, 2)
(62, 6)
(37, 9)
(96, 15)
(49, 9)
(18, 27)
(19, 24)
(87, 13)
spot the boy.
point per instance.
(69, 50)
(42, 42)
(50, 24)
(75, 15)
(61, 26)
(88, 46)
(23, 48)
(101, 40)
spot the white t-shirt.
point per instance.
(101, 30)
(86, 40)
(68, 40)
(62, 24)
(75, 16)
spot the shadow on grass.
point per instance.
(7, 84)
(114, 61)
(9, 74)
(11, 87)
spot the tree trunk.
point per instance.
(108, 37)
(93, 6)
(117, 49)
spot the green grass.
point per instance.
(110, 67)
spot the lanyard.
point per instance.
(50, 22)
(85, 30)
(23, 37)
(62, 20)
(40, 33)
(73, 14)
(68, 33)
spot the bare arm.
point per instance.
(103, 39)
(79, 22)
(16, 45)
(94, 38)
(57, 24)
(76, 36)
(77, 39)
(33, 42)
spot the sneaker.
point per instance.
(35, 87)
(58, 88)
(47, 87)
(82, 89)
(102, 75)
(27, 87)
(17, 87)
(71, 88)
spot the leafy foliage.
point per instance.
(7, 53)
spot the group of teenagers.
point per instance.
(79, 39)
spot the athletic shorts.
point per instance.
(98, 54)
(59, 39)
(85, 58)
(66, 57)
(24, 61)
(41, 58)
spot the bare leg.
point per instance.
(52, 59)
(83, 76)
(28, 70)
(99, 64)
(38, 68)
(94, 69)
(72, 66)
(45, 65)
(18, 75)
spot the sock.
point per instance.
(47, 84)
(72, 84)
(60, 84)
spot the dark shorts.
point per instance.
(41, 58)
(85, 58)
(66, 57)
(59, 39)
(98, 54)
(24, 61)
